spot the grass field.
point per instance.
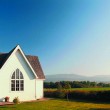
(87, 89)
(56, 104)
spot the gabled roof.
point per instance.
(33, 60)
(5, 56)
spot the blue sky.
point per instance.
(69, 36)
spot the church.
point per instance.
(20, 76)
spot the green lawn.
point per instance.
(86, 89)
(58, 105)
(92, 89)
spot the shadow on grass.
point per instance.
(91, 101)
(99, 109)
(87, 101)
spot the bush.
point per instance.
(80, 94)
(60, 94)
(16, 100)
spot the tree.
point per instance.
(67, 87)
(60, 93)
(59, 86)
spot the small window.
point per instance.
(12, 85)
(21, 75)
(17, 81)
(13, 76)
(17, 74)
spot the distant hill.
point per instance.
(74, 77)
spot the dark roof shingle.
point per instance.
(34, 61)
(3, 58)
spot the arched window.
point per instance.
(17, 81)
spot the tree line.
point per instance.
(75, 84)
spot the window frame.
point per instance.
(17, 81)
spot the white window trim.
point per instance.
(15, 82)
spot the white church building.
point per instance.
(20, 76)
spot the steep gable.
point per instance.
(32, 60)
